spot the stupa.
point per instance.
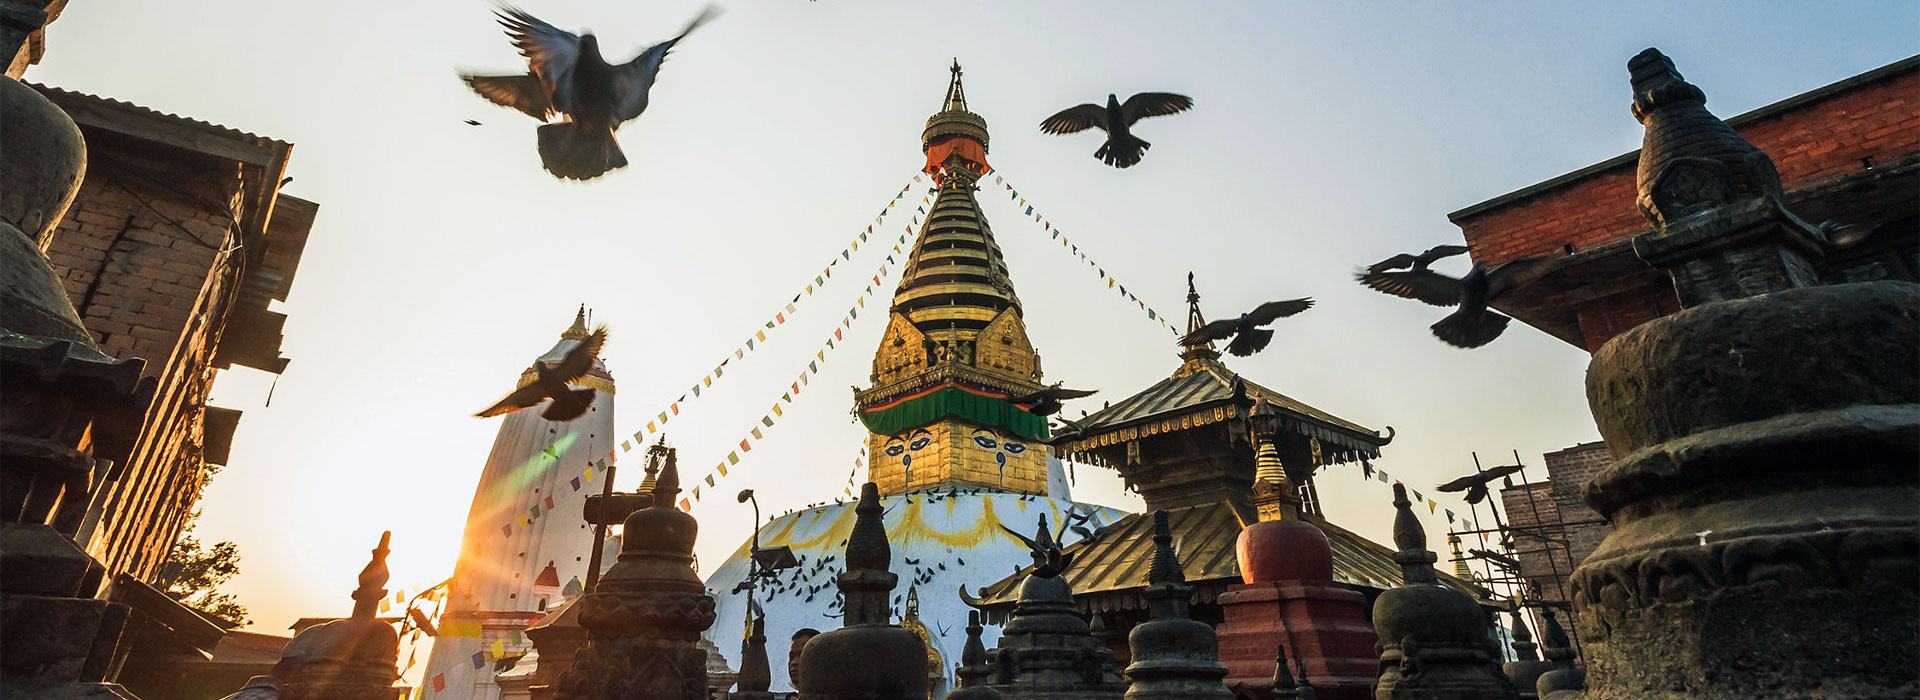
(953, 456)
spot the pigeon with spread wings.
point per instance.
(568, 77)
(1122, 149)
(552, 381)
(1246, 332)
(1475, 484)
(1048, 560)
(1049, 398)
(1473, 324)
(1398, 275)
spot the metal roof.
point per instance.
(1109, 572)
(1205, 381)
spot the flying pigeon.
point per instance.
(551, 381)
(1473, 324)
(1122, 149)
(1476, 484)
(471, 122)
(568, 77)
(1050, 398)
(1382, 273)
(1246, 332)
(1048, 560)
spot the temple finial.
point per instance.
(373, 580)
(1523, 646)
(1416, 562)
(579, 328)
(1199, 350)
(667, 484)
(956, 94)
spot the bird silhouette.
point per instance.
(1246, 332)
(1048, 560)
(1122, 149)
(1049, 398)
(1393, 271)
(551, 381)
(471, 122)
(1473, 324)
(568, 77)
(1476, 484)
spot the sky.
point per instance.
(1325, 136)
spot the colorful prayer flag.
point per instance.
(723, 468)
(684, 506)
(479, 659)
(576, 483)
(768, 420)
(733, 458)
(776, 408)
(709, 479)
(439, 682)
(745, 446)
(549, 503)
(506, 530)
(756, 434)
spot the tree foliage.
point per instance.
(195, 572)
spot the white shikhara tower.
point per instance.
(525, 544)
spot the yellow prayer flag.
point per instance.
(776, 409)
(707, 380)
(762, 335)
(1431, 505)
(499, 648)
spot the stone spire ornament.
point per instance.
(756, 675)
(1284, 687)
(973, 671)
(1046, 651)
(1763, 444)
(350, 659)
(1525, 670)
(869, 658)
(1174, 656)
(1434, 641)
(645, 616)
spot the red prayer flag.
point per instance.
(549, 503)
(439, 682)
(780, 318)
(744, 446)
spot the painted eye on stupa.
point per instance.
(1013, 448)
(895, 449)
(921, 440)
(985, 442)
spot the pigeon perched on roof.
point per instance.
(1474, 324)
(1246, 332)
(1475, 484)
(1122, 149)
(1049, 398)
(553, 380)
(568, 77)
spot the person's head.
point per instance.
(800, 640)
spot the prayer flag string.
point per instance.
(1067, 244)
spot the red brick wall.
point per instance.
(143, 254)
(1808, 143)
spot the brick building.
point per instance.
(172, 251)
(1847, 152)
(1552, 525)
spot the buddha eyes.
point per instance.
(920, 443)
(895, 449)
(985, 443)
(1013, 448)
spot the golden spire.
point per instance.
(579, 329)
(1274, 496)
(1459, 562)
(956, 95)
(1194, 354)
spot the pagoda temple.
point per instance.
(1188, 445)
(953, 456)
(515, 561)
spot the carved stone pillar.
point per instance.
(1175, 657)
(1434, 641)
(870, 658)
(1764, 438)
(974, 670)
(645, 616)
(68, 413)
(1525, 670)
